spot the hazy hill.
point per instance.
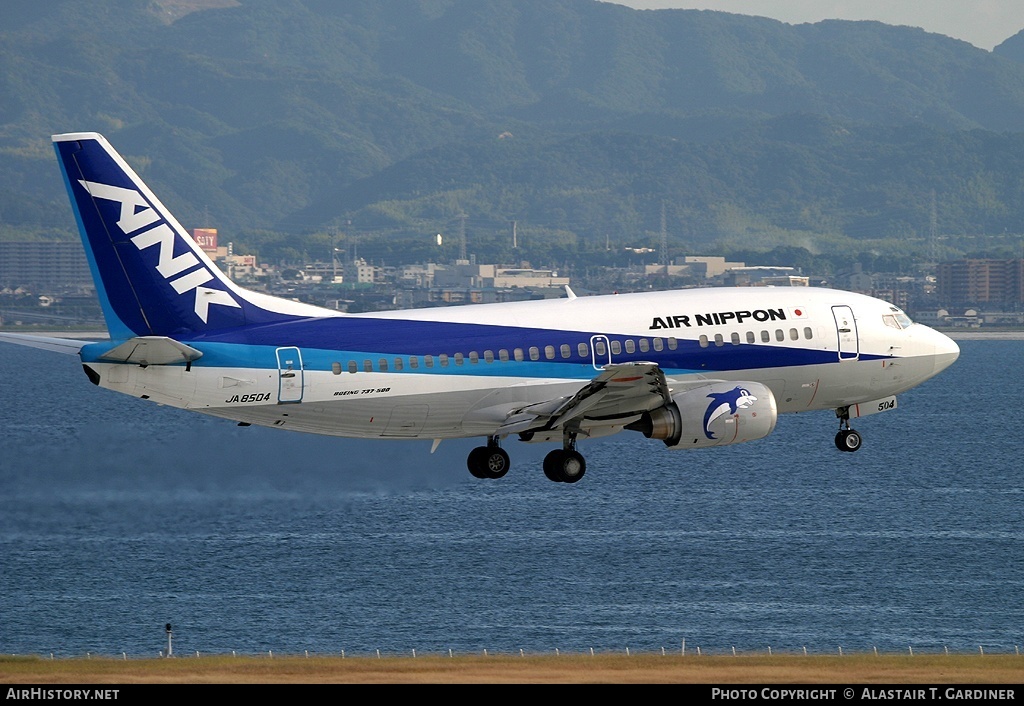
(1012, 48)
(296, 115)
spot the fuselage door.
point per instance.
(846, 327)
(289, 375)
(600, 351)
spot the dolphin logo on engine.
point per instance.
(726, 403)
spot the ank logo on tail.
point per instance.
(726, 403)
(179, 271)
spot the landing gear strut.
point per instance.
(846, 438)
(489, 461)
(565, 465)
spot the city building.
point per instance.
(693, 267)
(762, 275)
(976, 281)
(465, 274)
(44, 265)
(206, 238)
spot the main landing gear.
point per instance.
(489, 461)
(565, 465)
(846, 438)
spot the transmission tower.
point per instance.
(462, 236)
(663, 250)
(933, 232)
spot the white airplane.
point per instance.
(693, 368)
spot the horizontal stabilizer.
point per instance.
(68, 346)
(152, 350)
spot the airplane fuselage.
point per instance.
(434, 373)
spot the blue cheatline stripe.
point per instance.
(350, 339)
(679, 362)
(361, 338)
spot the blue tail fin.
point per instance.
(151, 277)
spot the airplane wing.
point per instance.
(68, 346)
(618, 392)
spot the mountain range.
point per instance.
(291, 125)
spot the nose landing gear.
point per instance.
(846, 438)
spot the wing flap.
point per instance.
(619, 391)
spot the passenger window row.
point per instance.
(564, 351)
(751, 337)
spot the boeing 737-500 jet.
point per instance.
(692, 368)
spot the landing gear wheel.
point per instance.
(564, 466)
(488, 462)
(848, 440)
(551, 464)
(477, 461)
(497, 462)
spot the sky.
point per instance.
(983, 23)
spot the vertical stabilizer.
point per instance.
(152, 278)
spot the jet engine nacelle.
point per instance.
(713, 414)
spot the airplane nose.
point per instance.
(946, 351)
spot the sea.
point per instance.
(119, 517)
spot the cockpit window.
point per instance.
(897, 319)
(901, 318)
